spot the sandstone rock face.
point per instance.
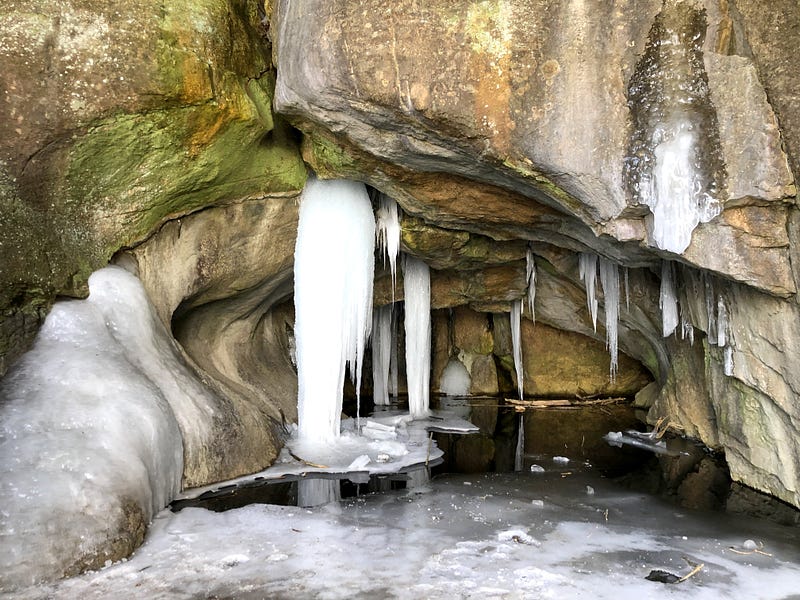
(114, 119)
(518, 120)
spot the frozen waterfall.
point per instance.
(417, 284)
(516, 343)
(333, 271)
(675, 197)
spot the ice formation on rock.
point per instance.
(382, 340)
(387, 232)
(455, 380)
(668, 301)
(417, 285)
(92, 424)
(333, 274)
(676, 197)
(516, 343)
(609, 281)
(587, 268)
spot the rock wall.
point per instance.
(519, 120)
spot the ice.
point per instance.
(455, 379)
(587, 268)
(382, 340)
(516, 343)
(450, 540)
(333, 273)
(708, 286)
(387, 232)
(728, 366)
(668, 300)
(609, 281)
(627, 291)
(92, 422)
(530, 268)
(417, 285)
(687, 329)
(722, 322)
(675, 198)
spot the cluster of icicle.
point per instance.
(384, 344)
(588, 266)
(717, 314)
(517, 308)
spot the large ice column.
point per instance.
(387, 232)
(382, 340)
(516, 343)
(609, 281)
(333, 274)
(587, 268)
(417, 285)
(668, 301)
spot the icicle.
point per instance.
(393, 368)
(531, 279)
(519, 455)
(587, 267)
(722, 322)
(387, 233)
(609, 281)
(381, 353)
(668, 301)
(516, 343)
(417, 284)
(728, 360)
(687, 330)
(333, 272)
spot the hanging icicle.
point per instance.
(417, 285)
(587, 268)
(381, 353)
(627, 291)
(531, 280)
(668, 301)
(516, 343)
(609, 281)
(387, 233)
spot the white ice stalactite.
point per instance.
(708, 285)
(531, 279)
(668, 301)
(516, 343)
(609, 281)
(687, 330)
(455, 380)
(333, 274)
(381, 353)
(587, 267)
(675, 197)
(417, 285)
(393, 363)
(387, 232)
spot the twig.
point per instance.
(697, 568)
(305, 462)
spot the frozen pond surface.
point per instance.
(563, 533)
